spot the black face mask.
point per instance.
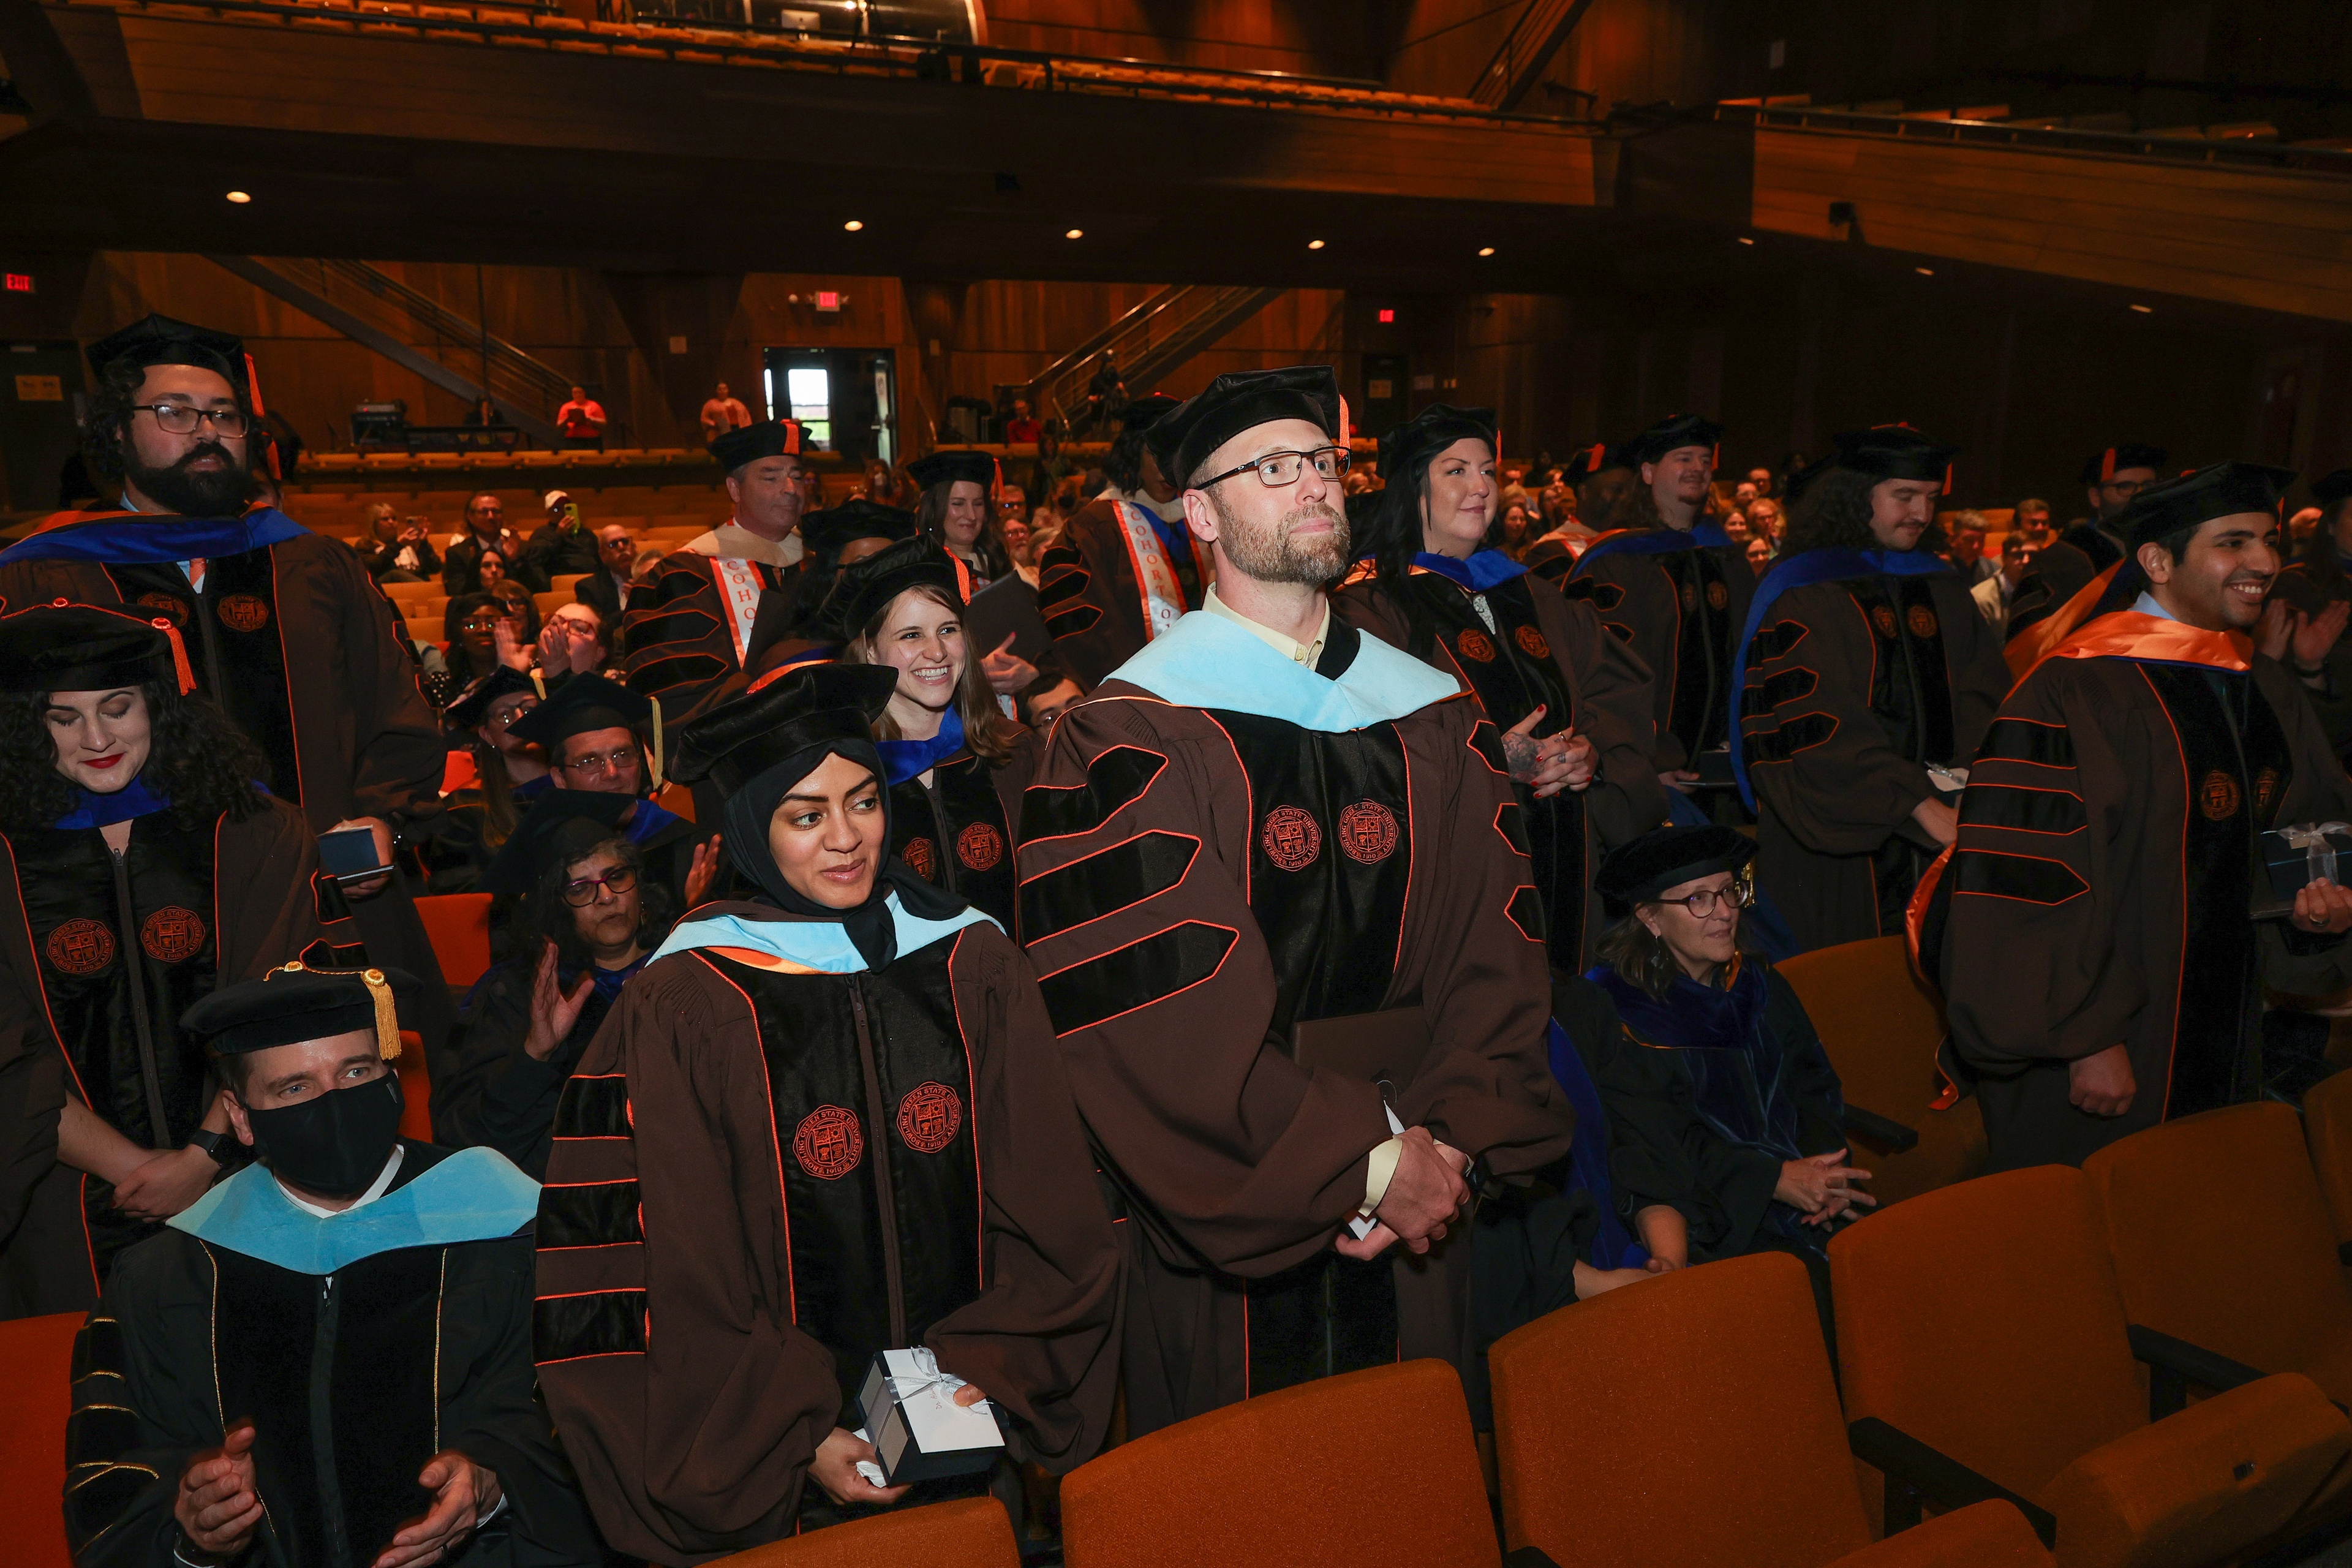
(335, 1144)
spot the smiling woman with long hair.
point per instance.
(799, 1097)
(147, 865)
(955, 764)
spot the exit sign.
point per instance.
(20, 282)
(828, 299)
(1387, 318)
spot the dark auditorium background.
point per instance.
(1995, 217)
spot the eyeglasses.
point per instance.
(1276, 469)
(1701, 904)
(506, 721)
(480, 623)
(583, 893)
(596, 764)
(181, 419)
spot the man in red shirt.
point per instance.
(723, 412)
(1022, 429)
(582, 420)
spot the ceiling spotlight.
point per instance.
(1074, 234)
(854, 225)
(1744, 240)
(2144, 309)
(1314, 244)
(239, 198)
(1925, 271)
(1487, 251)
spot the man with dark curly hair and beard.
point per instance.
(284, 628)
(1275, 884)
(1868, 678)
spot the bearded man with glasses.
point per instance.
(1275, 887)
(284, 627)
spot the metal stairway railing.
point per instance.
(1152, 339)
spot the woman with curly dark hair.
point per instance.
(956, 766)
(1573, 706)
(1866, 677)
(588, 919)
(145, 864)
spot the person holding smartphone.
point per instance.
(143, 864)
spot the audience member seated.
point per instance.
(128, 812)
(1043, 699)
(873, 1139)
(397, 550)
(592, 731)
(722, 412)
(327, 1359)
(587, 921)
(484, 636)
(1023, 429)
(1994, 594)
(509, 771)
(561, 546)
(954, 765)
(1724, 1130)
(606, 588)
(485, 530)
(573, 641)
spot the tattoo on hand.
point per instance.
(1521, 756)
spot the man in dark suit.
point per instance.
(605, 590)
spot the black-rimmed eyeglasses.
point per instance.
(181, 419)
(583, 892)
(1276, 469)
(1701, 904)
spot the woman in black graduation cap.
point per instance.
(1725, 1119)
(821, 1124)
(956, 766)
(144, 865)
(508, 772)
(1572, 706)
(957, 504)
(588, 920)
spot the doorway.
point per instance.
(847, 398)
(1385, 393)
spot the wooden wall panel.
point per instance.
(1233, 35)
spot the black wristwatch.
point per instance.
(210, 1142)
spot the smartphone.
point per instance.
(349, 854)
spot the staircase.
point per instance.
(1150, 341)
(379, 312)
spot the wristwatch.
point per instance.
(210, 1142)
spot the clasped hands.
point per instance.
(218, 1507)
(1565, 761)
(1424, 1193)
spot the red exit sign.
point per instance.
(20, 282)
(828, 299)
(1387, 317)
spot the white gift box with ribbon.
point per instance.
(918, 1432)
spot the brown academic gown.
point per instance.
(1194, 882)
(1852, 687)
(2099, 891)
(685, 631)
(1680, 610)
(1541, 649)
(300, 647)
(958, 831)
(265, 909)
(1091, 587)
(701, 1320)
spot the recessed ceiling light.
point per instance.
(239, 198)
(1487, 251)
(854, 225)
(1925, 271)
(1074, 234)
(2144, 309)
(1314, 244)
(1744, 240)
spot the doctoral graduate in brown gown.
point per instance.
(1674, 587)
(820, 1125)
(141, 867)
(284, 627)
(2100, 968)
(1868, 671)
(1281, 911)
(1573, 702)
(1125, 567)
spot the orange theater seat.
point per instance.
(970, 1533)
(1691, 1418)
(415, 1089)
(2233, 1183)
(35, 1366)
(1369, 1467)
(2327, 1129)
(1881, 1030)
(460, 927)
(1982, 1339)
